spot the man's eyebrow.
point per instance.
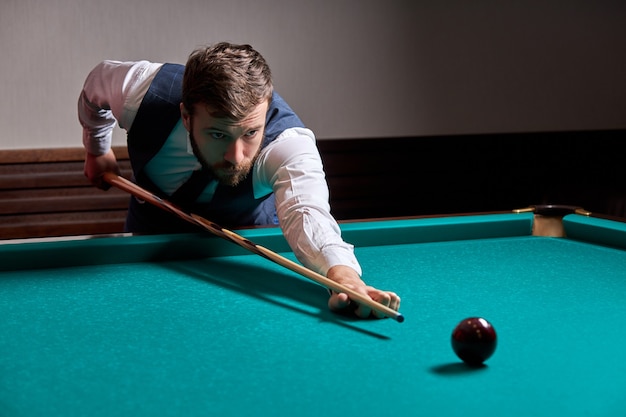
(258, 126)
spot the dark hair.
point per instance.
(230, 79)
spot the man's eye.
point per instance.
(217, 135)
(251, 133)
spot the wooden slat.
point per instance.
(47, 175)
(29, 156)
(61, 224)
(61, 200)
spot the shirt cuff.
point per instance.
(97, 146)
(334, 256)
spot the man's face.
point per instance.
(226, 147)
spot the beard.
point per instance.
(226, 173)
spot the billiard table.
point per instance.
(193, 325)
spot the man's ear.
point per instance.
(184, 114)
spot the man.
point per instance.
(214, 138)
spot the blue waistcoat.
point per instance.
(231, 206)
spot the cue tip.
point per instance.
(399, 318)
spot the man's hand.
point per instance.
(348, 277)
(97, 165)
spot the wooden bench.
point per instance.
(43, 193)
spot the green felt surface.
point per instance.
(241, 336)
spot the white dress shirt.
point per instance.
(290, 166)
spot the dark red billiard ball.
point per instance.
(474, 340)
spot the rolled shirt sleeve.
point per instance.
(111, 94)
(292, 167)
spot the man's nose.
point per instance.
(234, 152)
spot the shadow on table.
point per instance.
(456, 368)
(265, 284)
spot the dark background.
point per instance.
(390, 177)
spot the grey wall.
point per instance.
(350, 68)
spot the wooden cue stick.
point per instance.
(137, 191)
